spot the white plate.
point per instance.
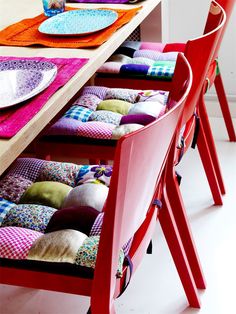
(78, 22)
(23, 79)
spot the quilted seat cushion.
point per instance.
(57, 206)
(100, 112)
(143, 60)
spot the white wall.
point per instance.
(184, 19)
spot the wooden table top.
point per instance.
(15, 10)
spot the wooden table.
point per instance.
(15, 10)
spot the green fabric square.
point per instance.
(46, 193)
(115, 105)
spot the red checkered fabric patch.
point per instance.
(15, 242)
(96, 129)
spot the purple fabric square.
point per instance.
(134, 69)
(28, 168)
(143, 119)
(79, 218)
(99, 91)
(64, 126)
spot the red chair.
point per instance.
(201, 67)
(131, 210)
(213, 74)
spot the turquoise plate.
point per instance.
(78, 22)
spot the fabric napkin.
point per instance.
(14, 118)
(25, 33)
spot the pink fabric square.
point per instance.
(152, 46)
(15, 242)
(96, 129)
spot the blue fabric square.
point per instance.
(5, 206)
(78, 113)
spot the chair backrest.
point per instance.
(138, 164)
(199, 52)
(228, 6)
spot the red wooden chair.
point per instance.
(131, 210)
(213, 74)
(201, 66)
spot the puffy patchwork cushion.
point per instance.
(79, 218)
(140, 60)
(89, 194)
(44, 233)
(58, 246)
(46, 193)
(110, 106)
(15, 242)
(12, 187)
(30, 216)
(94, 174)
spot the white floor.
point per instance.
(156, 288)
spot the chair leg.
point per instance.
(173, 239)
(97, 308)
(208, 166)
(210, 142)
(225, 107)
(178, 209)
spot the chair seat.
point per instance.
(109, 113)
(143, 60)
(51, 214)
(147, 60)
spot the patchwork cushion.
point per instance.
(59, 231)
(140, 60)
(100, 110)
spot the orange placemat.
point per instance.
(25, 33)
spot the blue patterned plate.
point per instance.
(78, 22)
(23, 79)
